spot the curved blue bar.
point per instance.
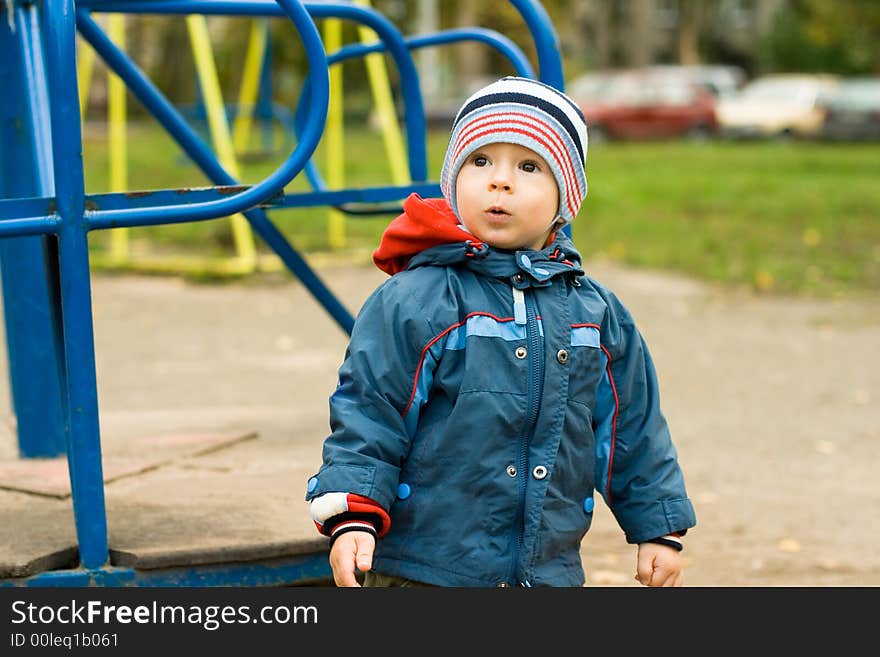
(546, 41)
(385, 29)
(253, 195)
(501, 43)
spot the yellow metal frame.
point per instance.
(228, 142)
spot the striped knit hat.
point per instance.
(531, 114)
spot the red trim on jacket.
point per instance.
(613, 424)
(433, 341)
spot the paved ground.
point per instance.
(214, 405)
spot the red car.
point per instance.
(648, 106)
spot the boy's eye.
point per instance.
(480, 161)
(529, 167)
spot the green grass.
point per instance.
(783, 217)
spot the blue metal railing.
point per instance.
(49, 211)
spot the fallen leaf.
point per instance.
(763, 280)
(789, 545)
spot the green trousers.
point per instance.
(378, 579)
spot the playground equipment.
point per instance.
(46, 216)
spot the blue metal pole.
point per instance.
(29, 290)
(84, 446)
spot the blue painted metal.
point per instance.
(501, 43)
(147, 93)
(313, 566)
(205, 159)
(545, 39)
(414, 118)
(56, 207)
(84, 445)
(29, 290)
(168, 197)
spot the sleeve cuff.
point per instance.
(669, 540)
(331, 510)
(351, 526)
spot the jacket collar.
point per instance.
(428, 234)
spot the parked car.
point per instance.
(776, 105)
(639, 105)
(852, 112)
(721, 80)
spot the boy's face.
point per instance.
(507, 196)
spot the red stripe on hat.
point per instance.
(530, 121)
(564, 167)
(556, 147)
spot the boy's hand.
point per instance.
(351, 550)
(659, 565)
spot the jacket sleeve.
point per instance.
(369, 440)
(638, 473)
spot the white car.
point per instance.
(776, 105)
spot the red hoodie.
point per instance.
(425, 222)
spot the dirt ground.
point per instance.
(772, 403)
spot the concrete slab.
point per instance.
(51, 477)
(36, 534)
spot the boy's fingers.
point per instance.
(365, 545)
(345, 578)
(644, 571)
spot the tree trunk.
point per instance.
(690, 19)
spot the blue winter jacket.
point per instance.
(484, 397)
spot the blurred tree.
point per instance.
(812, 35)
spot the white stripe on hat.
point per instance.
(539, 90)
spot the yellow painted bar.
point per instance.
(381, 89)
(118, 143)
(250, 84)
(85, 66)
(219, 127)
(334, 140)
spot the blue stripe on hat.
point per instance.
(527, 99)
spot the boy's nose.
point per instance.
(501, 180)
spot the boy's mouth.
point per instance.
(497, 210)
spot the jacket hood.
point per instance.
(429, 233)
(424, 223)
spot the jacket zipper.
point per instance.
(536, 369)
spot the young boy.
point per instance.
(489, 386)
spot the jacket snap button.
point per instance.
(511, 470)
(539, 472)
(521, 352)
(562, 356)
(518, 278)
